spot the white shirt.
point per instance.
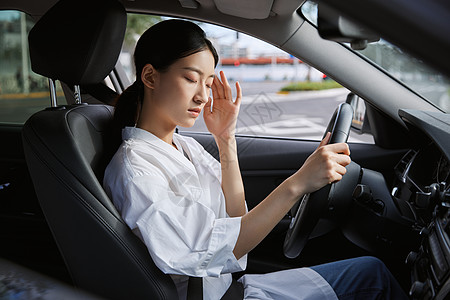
(177, 207)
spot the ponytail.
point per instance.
(126, 108)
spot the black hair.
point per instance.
(161, 45)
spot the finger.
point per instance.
(339, 148)
(325, 140)
(220, 88)
(336, 178)
(226, 86)
(239, 94)
(343, 160)
(207, 108)
(216, 88)
(341, 170)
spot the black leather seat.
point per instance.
(67, 148)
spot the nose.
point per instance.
(202, 94)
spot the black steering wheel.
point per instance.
(313, 205)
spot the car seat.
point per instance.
(67, 148)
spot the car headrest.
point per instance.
(78, 41)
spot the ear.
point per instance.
(149, 76)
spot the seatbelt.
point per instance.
(195, 288)
(234, 292)
(195, 284)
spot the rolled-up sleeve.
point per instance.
(183, 236)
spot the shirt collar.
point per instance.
(144, 135)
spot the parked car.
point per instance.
(57, 220)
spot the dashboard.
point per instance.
(409, 218)
(423, 185)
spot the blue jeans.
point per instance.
(362, 278)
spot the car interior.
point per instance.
(394, 204)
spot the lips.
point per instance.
(194, 112)
(197, 110)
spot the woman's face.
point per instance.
(180, 93)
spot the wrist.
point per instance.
(225, 141)
(295, 188)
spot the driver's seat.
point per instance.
(67, 148)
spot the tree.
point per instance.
(136, 25)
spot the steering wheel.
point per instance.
(313, 205)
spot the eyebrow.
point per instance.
(200, 72)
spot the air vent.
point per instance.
(401, 169)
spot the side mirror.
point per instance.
(360, 123)
(333, 26)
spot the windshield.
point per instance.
(428, 83)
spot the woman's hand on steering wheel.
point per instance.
(321, 181)
(324, 166)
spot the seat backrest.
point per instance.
(67, 149)
(64, 149)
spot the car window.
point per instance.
(432, 85)
(425, 81)
(22, 92)
(282, 96)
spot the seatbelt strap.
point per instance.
(234, 292)
(195, 288)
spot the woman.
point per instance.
(190, 209)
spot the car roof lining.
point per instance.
(250, 9)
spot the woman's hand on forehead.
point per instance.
(220, 113)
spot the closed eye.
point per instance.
(190, 80)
